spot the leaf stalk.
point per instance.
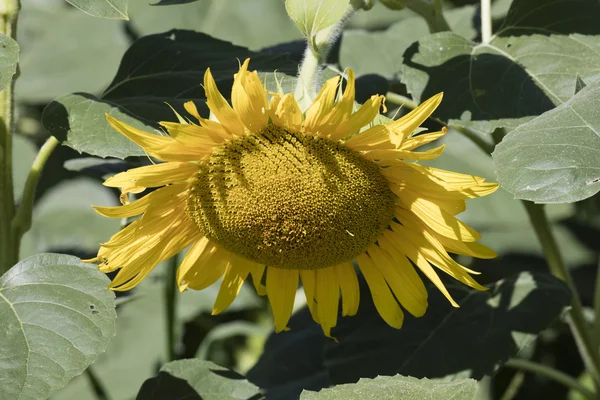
(9, 11)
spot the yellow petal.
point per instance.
(437, 219)
(191, 108)
(376, 137)
(384, 301)
(235, 275)
(161, 147)
(153, 175)
(421, 140)
(257, 271)
(412, 297)
(203, 139)
(435, 253)
(288, 114)
(364, 116)
(346, 277)
(308, 277)
(249, 99)
(327, 297)
(220, 108)
(281, 291)
(403, 127)
(203, 267)
(404, 155)
(321, 106)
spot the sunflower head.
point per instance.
(283, 195)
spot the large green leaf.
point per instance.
(157, 69)
(57, 317)
(380, 52)
(9, 57)
(530, 65)
(114, 9)
(555, 158)
(398, 388)
(189, 379)
(312, 16)
(472, 340)
(52, 64)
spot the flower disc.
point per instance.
(287, 200)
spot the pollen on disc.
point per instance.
(287, 200)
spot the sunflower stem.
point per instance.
(21, 222)
(596, 330)
(575, 318)
(171, 308)
(486, 21)
(548, 372)
(9, 11)
(97, 386)
(431, 13)
(315, 55)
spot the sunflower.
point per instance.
(284, 196)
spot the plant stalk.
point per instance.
(576, 319)
(486, 21)
(9, 11)
(21, 222)
(431, 13)
(558, 376)
(596, 330)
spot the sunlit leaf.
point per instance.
(398, 388)
(186, 379)
(9, 57)
(114, 9)
(555, 158)
(57, 317)
(312, 16)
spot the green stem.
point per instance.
(171, 308)
(431, 13)
(21, 222)
(9, 11)
(576, 319)
(473, 136)
(596, 330)
(97, 386)
(551, 373)
(486, 21)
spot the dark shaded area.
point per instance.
(487, 86)
(167, 386)
(475, 337)
(526, 17)
(369, 85)
(171, 2)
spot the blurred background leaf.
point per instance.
(115, 9)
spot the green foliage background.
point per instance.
(529, 97)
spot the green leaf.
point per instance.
(157, 69)
(57, 317)
(9, 57)
(511, 77)
(113, 9)
(381, 52)
(542, 16)
(312, 16)
(185, 379)
(50, 66)
(555, 158)
(470, 341)
(398, 388)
